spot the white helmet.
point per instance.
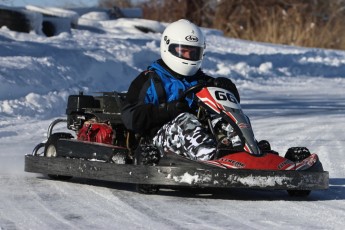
(183, 34)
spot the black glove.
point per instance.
(174, 108)
(227, 84)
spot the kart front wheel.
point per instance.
(146, 155)
(297, 154)
(299, 193)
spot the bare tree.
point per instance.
(193, 11)
(298, 22)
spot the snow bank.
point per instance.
(91, 61)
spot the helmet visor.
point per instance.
(191, 53)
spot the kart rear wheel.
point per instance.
(147, 189)
(50, 151)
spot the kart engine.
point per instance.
(96, 132)
(97, 118)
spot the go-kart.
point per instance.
(102, 148)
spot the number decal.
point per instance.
(223, 96)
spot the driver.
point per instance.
(152, 107)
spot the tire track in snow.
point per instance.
(194, 211)
(152, 210)
(29, 206)
(98, 210)
(156, 209)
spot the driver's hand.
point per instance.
(174, 108)
(226, 83)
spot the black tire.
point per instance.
(50, 151)
(15, 20)
(59, 177)
(38, 147)
(297, 154)
(264, 145)
(299, 193)
(147, 189)
(50, 145)
(146, 155)
(48, 28)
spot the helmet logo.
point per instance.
(192, 38)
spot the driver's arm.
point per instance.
(140, 117)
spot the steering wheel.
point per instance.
(194, 89)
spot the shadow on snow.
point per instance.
(336, 191)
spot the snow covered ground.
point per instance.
(294, 97)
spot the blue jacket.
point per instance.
(173, 86)
(142, 111)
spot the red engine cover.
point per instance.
(96, 132)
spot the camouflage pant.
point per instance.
(185, 136)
